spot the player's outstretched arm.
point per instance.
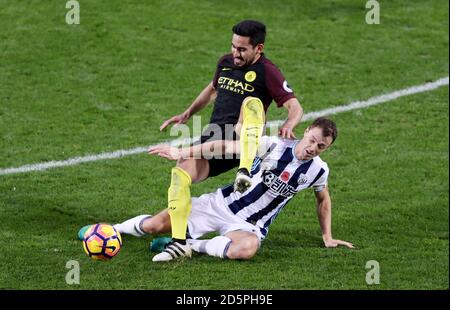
(206, 96)
(205, 150)
(324, 214)
(295, 114)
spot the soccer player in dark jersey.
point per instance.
(244, 85)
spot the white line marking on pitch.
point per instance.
(308, 116)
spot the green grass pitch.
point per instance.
(109, 82)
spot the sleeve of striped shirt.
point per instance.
(264, 144)
(321, 183)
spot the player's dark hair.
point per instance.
(329, 128)
(253, 29)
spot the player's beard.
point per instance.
(243, 62)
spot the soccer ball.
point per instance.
(102, 242)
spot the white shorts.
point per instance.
(211, 214)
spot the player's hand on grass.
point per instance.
(287, 133)
(166, 151)
(177, 119)
(333, 243)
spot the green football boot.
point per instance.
(158, 244)
(82, 231)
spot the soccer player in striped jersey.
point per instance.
(282, 169)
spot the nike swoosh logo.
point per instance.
(171, 207)
(226, 69)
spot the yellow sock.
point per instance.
(180, 205)
(251, 131)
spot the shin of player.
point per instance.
(253, 119)
(179, 203)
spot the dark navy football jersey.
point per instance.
(233, 84)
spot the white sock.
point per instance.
(133, 226)
(217, 246)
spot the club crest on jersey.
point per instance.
(250, 76)
(302, 179)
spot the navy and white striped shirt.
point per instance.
(277, 176)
